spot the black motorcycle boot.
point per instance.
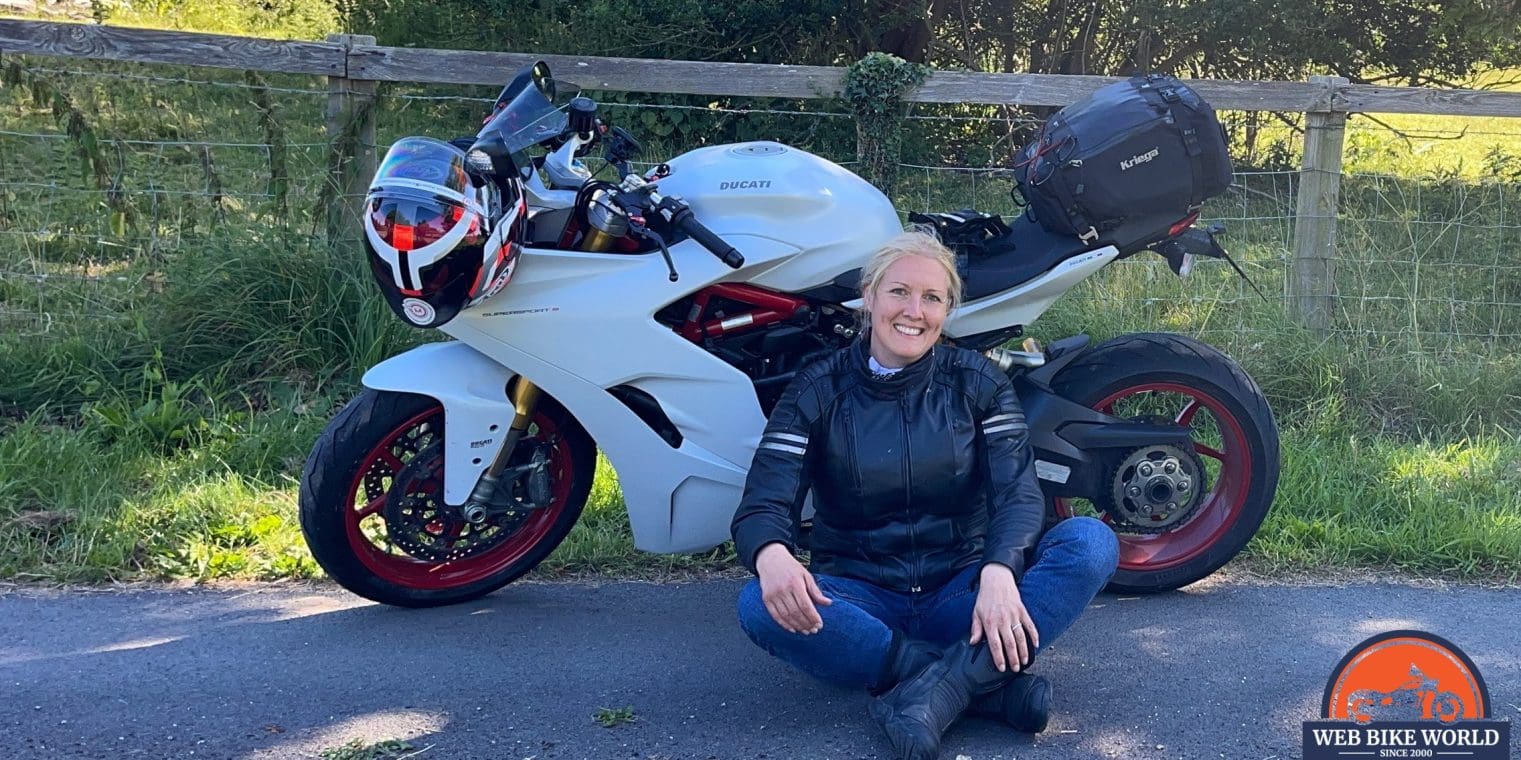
(916, 713)
(1024, 703)
(905, 658)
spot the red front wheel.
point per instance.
(1178, 526)
(373, 511)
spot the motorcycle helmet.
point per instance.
(437, 243)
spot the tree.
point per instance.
(758, 31)
(1397, 41)
(1406, 41)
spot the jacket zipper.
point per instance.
(908, 501)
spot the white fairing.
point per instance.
(471, 386)
(578, 324)
(1022, 304)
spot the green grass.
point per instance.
(75, 506)
(176, 334)
(80, 503)
(1428, 508)
(1477, 148)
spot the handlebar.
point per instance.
(687, 222)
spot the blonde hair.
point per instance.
(917, 242)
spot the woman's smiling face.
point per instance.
(908, 308)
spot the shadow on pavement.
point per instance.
(1218, 670)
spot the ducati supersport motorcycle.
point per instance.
(657, 318)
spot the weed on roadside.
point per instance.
(608, 717)
(359, 749)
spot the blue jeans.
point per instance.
(1071, 563)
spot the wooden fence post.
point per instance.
(1313, 285)
(351, 152)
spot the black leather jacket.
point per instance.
(914, 477)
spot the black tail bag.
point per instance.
(1127, 163)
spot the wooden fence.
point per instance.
(353, 65)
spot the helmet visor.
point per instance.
(424, 164)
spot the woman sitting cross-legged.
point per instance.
(928, 585)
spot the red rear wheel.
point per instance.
(1156, 376)
(374, 517)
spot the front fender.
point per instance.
(473, 390)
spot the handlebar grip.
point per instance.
(710, 240)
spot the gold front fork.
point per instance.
(525, 399)
(597, 240)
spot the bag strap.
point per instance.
(1161, 91)
(1195, 165)
(964, 226)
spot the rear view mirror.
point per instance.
(543, 80)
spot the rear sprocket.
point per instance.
(1154, 489)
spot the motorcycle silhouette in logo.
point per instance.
(1415, 699)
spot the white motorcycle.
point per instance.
(658, 317)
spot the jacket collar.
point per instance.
(904, 380)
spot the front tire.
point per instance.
(1157, 374)
(357, 462)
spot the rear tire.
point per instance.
(354, 466)
(1146, 373)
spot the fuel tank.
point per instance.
(833, 218)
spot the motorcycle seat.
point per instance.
(1001, 263)
(991, 266)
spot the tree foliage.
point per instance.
(757, 31)
(1406, 41)
(298, 19)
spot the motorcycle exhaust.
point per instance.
(1030, 357)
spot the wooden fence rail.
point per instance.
(354, 64)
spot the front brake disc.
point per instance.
(419, 522)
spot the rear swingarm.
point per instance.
(1077, 448)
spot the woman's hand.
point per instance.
(789, 590)
(1000, 617)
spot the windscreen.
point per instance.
(525, 114)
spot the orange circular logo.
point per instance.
(1406, 676)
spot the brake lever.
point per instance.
(665, 251)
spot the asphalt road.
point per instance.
(1226, 669)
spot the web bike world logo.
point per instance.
(1406, 694)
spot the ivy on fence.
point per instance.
(874, 90)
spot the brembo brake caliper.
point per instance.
(488, 497)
